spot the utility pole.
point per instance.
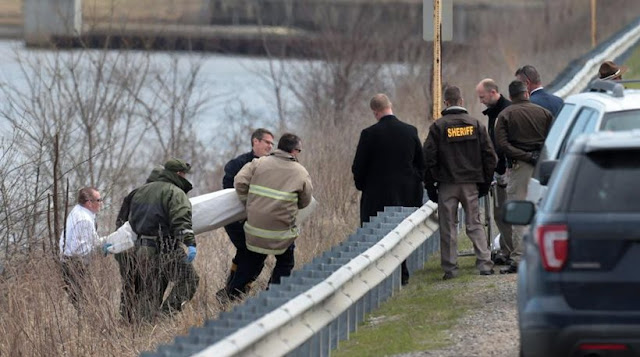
(437, 27)
(436, 90)
(593, 24)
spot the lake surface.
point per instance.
(229, 82)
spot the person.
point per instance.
(239, 284)
(521, 130)
(489, 95)
(610, 71)
(388, 165)
(460, 161)
(529, 75)
(161, 217)
(126, 259)
(273, 188)
(78, 240)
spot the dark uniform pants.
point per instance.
(284, 265)
(449, 196)
(154, 271)
(246, 265)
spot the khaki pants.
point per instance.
(517, 187)
(449, 196)
(506, 242)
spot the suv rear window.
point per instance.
(585, 122)
(619, 121)
(607, 181)
(554, 137)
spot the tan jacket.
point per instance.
(274, 187)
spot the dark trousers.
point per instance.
(74, 273)
(284, 265)
(246, 265)
(154, 270)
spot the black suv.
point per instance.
(579, 279)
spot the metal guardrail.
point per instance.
(577, 75)
(321, 303)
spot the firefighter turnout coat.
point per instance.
(274, 188)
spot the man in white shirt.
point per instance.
(78, 240)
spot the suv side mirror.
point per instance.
(519, 213)
(546, 169)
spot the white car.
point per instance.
(604, 106)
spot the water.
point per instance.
(228, 83)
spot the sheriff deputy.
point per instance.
(460, 161)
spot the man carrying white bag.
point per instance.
(210, 211)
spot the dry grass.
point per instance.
(39, 320)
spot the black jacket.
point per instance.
(492, 114)
(235, 230)
(388, 167)
(458, 150)
(232, 168)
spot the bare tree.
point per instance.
(88, 115)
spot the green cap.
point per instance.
(176, 165)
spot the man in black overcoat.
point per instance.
(389, 164)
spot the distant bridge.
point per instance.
(49, 21)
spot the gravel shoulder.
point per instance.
(491, 330)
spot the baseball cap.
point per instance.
(176, 165)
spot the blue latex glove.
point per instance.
(191, 254)
(105, 248)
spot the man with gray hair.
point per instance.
(460, 162)
(78, 240)
(520, 133)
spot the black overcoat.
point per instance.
(388, 167)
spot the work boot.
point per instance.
(487, 272)
(405, 280)
(500, 259)
(223, 297)
(448, 275)
(511, 269)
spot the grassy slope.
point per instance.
(633, 62)
(418, 317)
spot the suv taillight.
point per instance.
(553, 242)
